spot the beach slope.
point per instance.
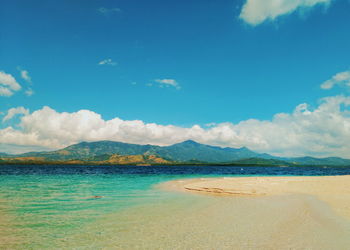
(334, 190)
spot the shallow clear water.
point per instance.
(82, 206)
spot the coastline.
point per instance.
(333, 190)
(182, 219)
(134, 214)
(186, 220)
(231, 164)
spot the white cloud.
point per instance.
(211, 124)
(168, 83)
(323, 131)
(8, 84)
(18, 149)
(5, 91)
(107, 62)
(342, 78)
(29, 92)
(256, 12)
(25, 76)
(15, 111)
(108, 11)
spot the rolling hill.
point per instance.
(180, 152)
(189, 152)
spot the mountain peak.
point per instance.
(187, 151)
(244, 149)
(189, 142)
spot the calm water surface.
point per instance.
(45, 206)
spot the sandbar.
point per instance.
(334, 190)
(230, 213)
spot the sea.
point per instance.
(122, 207)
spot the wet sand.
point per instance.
(8, 233)
(334, 190)
(231, 213)
(220, 223)
(222, 213)
(274, 212)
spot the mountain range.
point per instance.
(187, 152)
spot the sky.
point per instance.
(270, 75)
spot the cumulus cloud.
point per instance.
(322, 131)
(255, 12)
(168, 83)
(25, 76)
(341, 78)
(5, 91)
(15, 111)
(107, 62)
(8, 84)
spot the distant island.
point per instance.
(184, 153)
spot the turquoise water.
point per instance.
(45, 206)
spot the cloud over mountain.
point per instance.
(323, 131)
(15, 111)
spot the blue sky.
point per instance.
(180, 63)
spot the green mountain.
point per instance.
(193, 151)
(181, 152)
(189, 152)
(307, 160)
(262, 161)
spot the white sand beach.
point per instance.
(334, 190)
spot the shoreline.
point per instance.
(333, 190)
(233, 164)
